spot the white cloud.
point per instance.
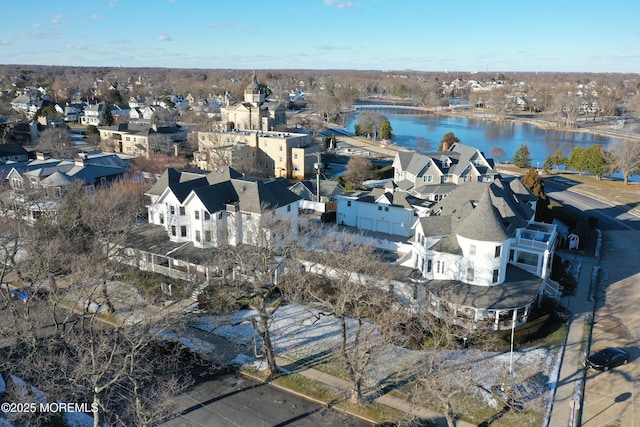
(57, 19)
(4, 42)
(36, 25)
(340, 4)
(95, 16)
(225, 24)
(162, 38)
(74, 46)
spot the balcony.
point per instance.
(536, 236)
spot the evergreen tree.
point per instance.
(576, 160)
(596, 161)
(386, 132)
(522, 157)
(106, 118)
(556, 159)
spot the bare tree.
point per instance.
(438, 380)
(347, 283)
(497, 153)
(624, 156)
(422, 144)
(359, 169)
(116, 370)
(250, 273)
(57, 142)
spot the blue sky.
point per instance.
(424, 35)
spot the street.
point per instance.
(232, 400)
(609, 398)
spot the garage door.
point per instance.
(382, 226)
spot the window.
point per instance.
(207, 216)
(295, 156)
(349, 203)
(196, 214)
(427, 178)
(496, 276)
(173, 230)
(183, 230)
(498, 251)
(219, 215)
(197, 235)
(183, 211)
(472, 249)
(288, 208)
(429, 266)
(528, 258)
(161, 218)
(470, 274)
(281, 148)
(379, 208)
(386, 209)
(207, 236)
(172, 210)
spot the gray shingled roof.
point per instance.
(500, 214)
(484, 222)
(57, 179)
(436, 225)
(519, 289)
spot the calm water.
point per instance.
(485, 134)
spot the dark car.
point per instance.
(608, 358)
(328, 216)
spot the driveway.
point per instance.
(611, 398)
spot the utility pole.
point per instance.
(318, 166)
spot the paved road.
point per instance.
(233, 400)
(612, 398)
(609, 217)
(609, 398)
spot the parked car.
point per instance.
(328, 216)
(608, 358)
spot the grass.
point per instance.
(612, 190)
(336, 399)
(331, 396)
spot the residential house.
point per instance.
(143, 139)
(214, 208)
(143, 113)
(433, 175)
(13, 153)
(37, 185)
(21, 103)
(308, 190)
(484, 260)
(92, 114)
(72, 112)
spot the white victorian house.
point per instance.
(211, 209)
(484, 260)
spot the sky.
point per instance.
(421, 35)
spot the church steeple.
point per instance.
(253, 93)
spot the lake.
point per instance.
(485, 134)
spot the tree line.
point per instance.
(620, 156)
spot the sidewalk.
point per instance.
(385, 399)
(570, 381)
